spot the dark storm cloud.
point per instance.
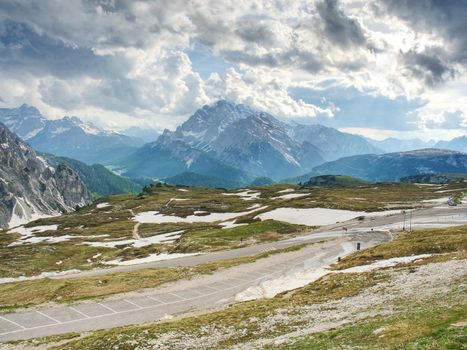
(428, 66)
(256, 33)
(339, 28)
(445, 18)
(23, 48)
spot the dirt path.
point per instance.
(135, 233)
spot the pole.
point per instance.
(410, 229)
(403, 226)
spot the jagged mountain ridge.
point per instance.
(25, 121)
(253, 141)
(30, 187)
(167, 157)
(68, 137)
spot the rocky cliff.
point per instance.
(30, 187)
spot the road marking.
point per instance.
(155, 299)
(81, 313)
(49, 317)
(12, 322)
(108, 308)
(132, 303)
(177, 296)
(183, 300)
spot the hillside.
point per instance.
(334, 181)
(197, 180)
(98, 179)
(392, 166)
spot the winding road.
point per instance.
(219, 289)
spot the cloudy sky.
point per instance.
(380, 68)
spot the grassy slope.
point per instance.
(97, 178)
(420, 324)
(116, 222)
(30, 293)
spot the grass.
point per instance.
(256, 232)
(428, 241)
(35, 292)
(116, 222)
(328, 288)
(427, 323)
(423, 328)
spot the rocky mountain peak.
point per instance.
(31, 188)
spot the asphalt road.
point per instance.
(220, 288)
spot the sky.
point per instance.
(382, 68)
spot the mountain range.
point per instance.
(31, 187)
(222, 143)
(68, 137)
(239, 143)
(392, 166)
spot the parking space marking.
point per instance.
(106, 307)
(86, 316)
(12, 322)
(49, 317)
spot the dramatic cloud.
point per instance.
(127, 62)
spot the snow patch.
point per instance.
(150, 258)
(103, 205)
(230, 224)
(168, 237)
(154, 217)
(42, 275)
(247, 195)
(301, 277)
(287, 190)
(317, 216)
(291, 195)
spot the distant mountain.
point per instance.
(392, 166)
(168, 157)
(69, 136)
(25, 121)
(97, 178)
(334, 181)
(247, 139)
(391, 144)
(333, 143)
(197, 180)
(456, 144)
(435, 178)
(251, 141)
(145, 134)
(30, 187)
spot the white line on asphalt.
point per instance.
(49, 317)
(155, 299)
(132, 303)
(13, 322)
(108, 308)
(123, 312)
(81, 313)
(177, 296)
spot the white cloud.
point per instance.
(124, 62)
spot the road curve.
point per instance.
(216, 290)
